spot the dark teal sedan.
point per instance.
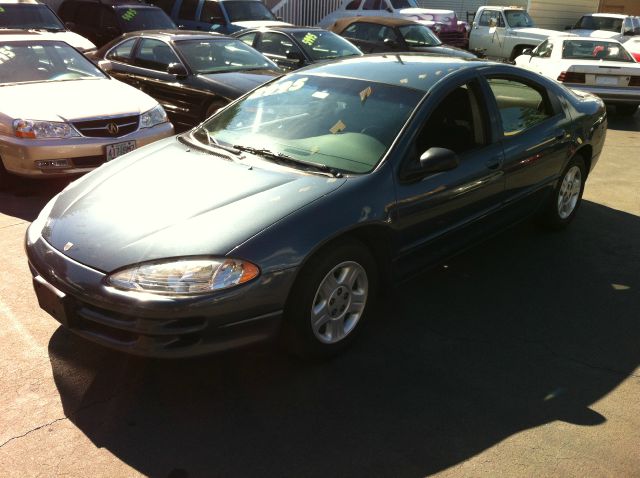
(287, 212)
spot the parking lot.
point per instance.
(517, 358)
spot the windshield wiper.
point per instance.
(285, 159)
(194, 139)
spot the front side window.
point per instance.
(122, 52)
(323, 45)
(362, 31)
(521, 106)
(595, 50)
(343, 123)
(24, 16)
(242, 11)
(210, 56)
(353, 5)
(155, 55)
(373, 5)
(418, 35)
(132, 19)
(188, 9)
(43, 61)
(518, 18)
(491, 18)
(276, 44)
(248, 38)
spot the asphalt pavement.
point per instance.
(519, 357)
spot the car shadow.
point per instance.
(623, 123)
(524, 329)
(25, 198)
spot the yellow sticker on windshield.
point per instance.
(129, 14)
(1, 10)
(339, 126)
(366, 93)
(309, 39)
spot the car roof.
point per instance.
(388, 21)
(411, 70)
(173, 35)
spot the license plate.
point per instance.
(607, 80)
(51, 300)
(118, 149)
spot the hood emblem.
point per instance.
(112, 128)
(67, 246)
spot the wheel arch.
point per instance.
(586, 152)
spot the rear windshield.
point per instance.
(322, 45)
(133, 19)
(594, 50)
(243, 11)
(600, 23)
(26, 16)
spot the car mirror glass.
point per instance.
(527, 51)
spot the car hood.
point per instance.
(49, 101)
(169, 200)
(532, 32)
(445, 50)
(239, 82)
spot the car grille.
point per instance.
(108, 127)
(88, 161)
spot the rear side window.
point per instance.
(122, 52)
(188, 9)
(211, 13)
(521, 106)
(166, 5)
(248, 38)
(373, 5)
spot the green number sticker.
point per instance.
(1, 10)
(309, 39)
(129, 14)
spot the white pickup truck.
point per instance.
(503, 32)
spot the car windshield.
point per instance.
(242, 11)
(27, 16)
(341, 123)
(133, 19)
(518, 18)
(22, 62)
(609, 24)
(404, 4)
(418, 35)
(323, 45)
(210, 56)
(594, 50)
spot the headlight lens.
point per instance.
(185, 277)
(25, 128)
(153, 117)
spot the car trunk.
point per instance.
(603, 75)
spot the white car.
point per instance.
(607, 25)
(633, 46)
(36, 16)
(596, 65)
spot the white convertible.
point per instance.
(600, 66)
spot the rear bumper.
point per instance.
(611, 95)
(155, 326)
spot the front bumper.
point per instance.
(610, 95)
(84, 154)
(152, 325)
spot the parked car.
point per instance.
(288, 211)
(444, 23)
(607, 25)
(33, 15)
(294, 47)
(103, 20)
(192, 74)
(504, 32)
(633, 46)
(597, 65)
(222, 16)
(387, 34)
(61, 115)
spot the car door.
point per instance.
(280, 49)
(182, 103)
(438, 213)
(535, 133)
(488, 33)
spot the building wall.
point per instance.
(628, 7)
(557, 15)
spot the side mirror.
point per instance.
(105, 65)
(527, 51)
(177, 69)
(295, 56)
(437, 160)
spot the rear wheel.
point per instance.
(560, 210)
(329, 301)
(626, 110)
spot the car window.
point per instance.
(353, 5)
(122, 52)
(324, 45)
(458, 123)
(418, 35)
(155, 55)
(132, 19)
(610, 24)
(25, 16)
(521, 106)
(221, 54)
(108, 18)
(373, 5)
(211, 13)
(387, 33)
(88, 14)
(488, 15)
(166, 5)
(358, 30)
(240, 11)
(595, 50)
(188, 9)
(248, 38)
(277, 44)
(544, 50)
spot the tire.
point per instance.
(337, 286)
(626, 110)
(563, 205)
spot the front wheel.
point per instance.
(329, 301)
(626, 110)
(567, 196)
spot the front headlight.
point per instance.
(153, 117)
(25, 128)
(184, 276)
